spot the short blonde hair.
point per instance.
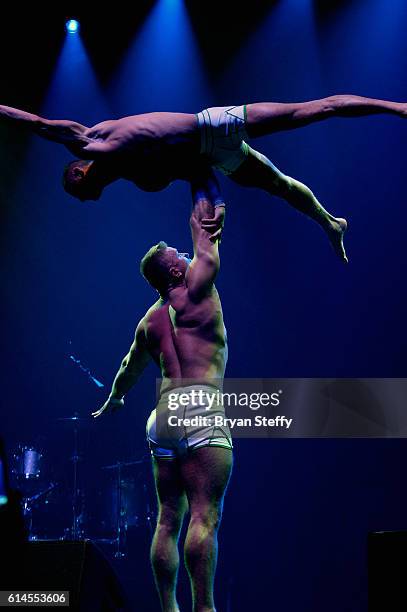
(154, 266)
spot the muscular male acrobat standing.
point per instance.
(184, 333)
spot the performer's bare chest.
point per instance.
(152, 166)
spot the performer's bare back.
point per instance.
(151, 150)
(131, 132)
(186, 339)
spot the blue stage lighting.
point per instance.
(72, 26)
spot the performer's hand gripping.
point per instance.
(205, 185)
(215, 225)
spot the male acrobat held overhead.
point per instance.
(154, 149)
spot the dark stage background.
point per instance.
(297, 512)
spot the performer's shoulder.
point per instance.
(154, 308)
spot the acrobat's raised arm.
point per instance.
(207, 217)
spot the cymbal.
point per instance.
(122, 464)
(73, 418)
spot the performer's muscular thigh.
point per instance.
(258, 171)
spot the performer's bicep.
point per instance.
(138, 355)
(204, 267)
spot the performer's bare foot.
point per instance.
(335, 231)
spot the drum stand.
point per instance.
(121, 528)
(75, 532)
(120, 540)
(27, 507)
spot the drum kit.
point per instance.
(63, 510)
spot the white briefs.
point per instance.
(194, 429)
(223, 135)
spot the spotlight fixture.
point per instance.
(72, 26)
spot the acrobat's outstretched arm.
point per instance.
(267, 117)
(129, 372)
(66, 132)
